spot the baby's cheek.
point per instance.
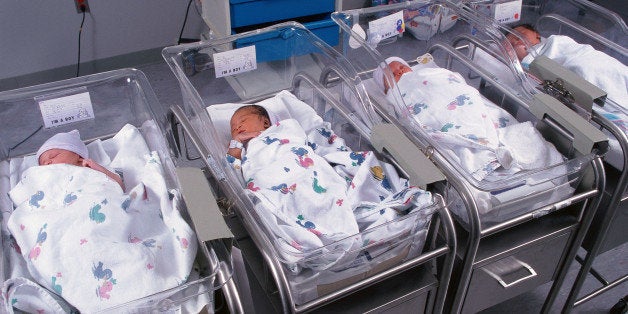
(521, 52)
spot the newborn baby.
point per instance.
(481, 136)
(600, 69)
(68, 148)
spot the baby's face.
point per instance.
(59, 156)
(247, 120)
(398, 69)
(520, 48)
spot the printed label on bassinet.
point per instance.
(507, 12)
(235, 61)
(387, 26)
(67, 109)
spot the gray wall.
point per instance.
(41, 36)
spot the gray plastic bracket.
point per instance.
(586, 136)
(420, 169)
(200, 201)
(584, 93)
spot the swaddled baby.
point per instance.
(481, 136)
(85, 240)
(319, 196)
(597, 67)
(68, 148)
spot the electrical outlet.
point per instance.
(81, 6)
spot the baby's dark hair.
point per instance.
(257, 109)
(526, 26)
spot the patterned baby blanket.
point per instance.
(90, 243)
(327, 206)
(478, 135)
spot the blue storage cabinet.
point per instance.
(226, 17)
(274, 45)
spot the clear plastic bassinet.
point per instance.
(563, 79)
(587, 24)
(424, 45)
(496, 217)
(578, 19)
(592, 26)
(98, 106)
(279, 67)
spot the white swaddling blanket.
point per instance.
(95, 246)
(318, 196)
(481, 137)
(598, 68)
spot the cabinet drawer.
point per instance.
(412, 291)
(515, 274)
(247, 12)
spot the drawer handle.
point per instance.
(508, 265)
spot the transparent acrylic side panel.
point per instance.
(591, 16)
(549, 25)
(115, 98)
(427, 23)
(368, 52)
(579, 19)
(297, 72)
(526, 190)
(21, 114)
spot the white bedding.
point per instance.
(316, 194)
(83, 238)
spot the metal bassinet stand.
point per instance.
(584, 224)
(495, 261)
(606, 231)
(289, 53)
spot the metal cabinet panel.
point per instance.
(510, 276)
(412, 291)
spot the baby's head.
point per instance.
(529, 34)
(249, 118)
(63, 148)
(397, 66)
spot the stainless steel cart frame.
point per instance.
(609, 218)
(480, 251)
(190, 118)
(262, 241)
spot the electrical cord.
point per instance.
(24, 140)
(78, 61)
(185, 19)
